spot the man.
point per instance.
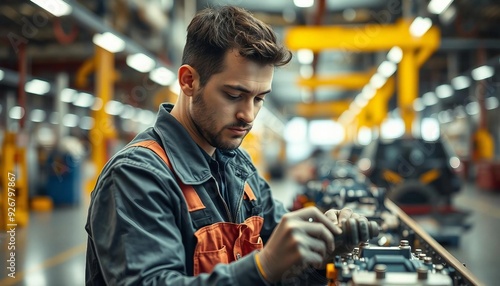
(181, 204)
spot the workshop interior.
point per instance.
(390, 108)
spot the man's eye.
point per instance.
(260, 99)
(232, 96)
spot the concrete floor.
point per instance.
(50, 251)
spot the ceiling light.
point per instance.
(387, 68)
(395, 55)
(377, 81)
(109, 42)
(68, 95)
(305, 56)
(146, 117)
(2, 74)
(86, 123)
(444, 91)
(429, 98)
(37, 86)
(418, 105)
(368, 92)
(97, 104)
(460, 82)
(128, 112)
(472, 108)
(162, 76)
(491, 103)
(303, 3)
(16, 112)
(420, 26)
(84, 100)
(360, 101)
(438, 6)
(113, 107)
(37, 115)
(70, 120)
(482, 72)
(141, 62)
(306, 71)
(57, 8)
(445, 116)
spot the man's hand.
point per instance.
(303, 238)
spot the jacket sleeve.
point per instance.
(133, 230)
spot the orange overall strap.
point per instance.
(249, 195)
(193, 201)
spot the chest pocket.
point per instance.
(221, 242)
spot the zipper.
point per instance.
(223, 201)
(241, 201)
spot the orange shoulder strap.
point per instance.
(193, 201)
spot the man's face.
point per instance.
(224, 110)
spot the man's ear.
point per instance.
(188, 79)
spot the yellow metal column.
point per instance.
(407, 87)
(104, 130)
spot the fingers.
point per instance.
(317, 216)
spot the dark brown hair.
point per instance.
(214, 31)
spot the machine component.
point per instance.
(353, 231)
(398, 265)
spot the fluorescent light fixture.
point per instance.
(37, 115)
(162, 76)
(420, 26)
(325, 132)
(86, 123)
(445, 116)
(429, 98)
(306, 71)
(37, 86)
(16, 112)
(146, 117)
(70, 120)
(296, 130)
(418, 105)
(113, 107)
(360, 101)
(472, 108)
(97, 104)
(460, 82)
(68, 95)
(491, 103)
(438, 6)
(303, 3)
(392, 128)
(395, 55)
(365, 135)
(128, 112)
(482, 72)
(377, 81)
(387, 68)
(2, 74)
(84, 100)
(140, 62)
(444, 91)
(368, 92)
(305, 56)
(57, 8)
(430, 129)
(109, 42)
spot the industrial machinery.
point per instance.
(417, 260)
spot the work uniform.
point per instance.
(164, 219)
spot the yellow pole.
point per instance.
(407, 87)
(103, 130)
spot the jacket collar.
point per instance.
(187, 158)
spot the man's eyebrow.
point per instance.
(242, 89)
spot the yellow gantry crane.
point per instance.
(369, 38)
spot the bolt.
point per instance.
(380, 270)
(422, 273)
